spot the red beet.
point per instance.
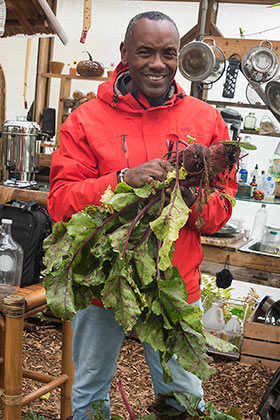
(222, 157)
(194, 157)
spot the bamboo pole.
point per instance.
(13, 307)
(37, 376)
(67, 368)
(43, 390)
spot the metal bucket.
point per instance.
(20, 149)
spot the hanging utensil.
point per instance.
(202, 61)
(27, 58)
(87, 20)
(261, 63)
(234, 63)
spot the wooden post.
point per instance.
(13, 308)
(68, 369)
(65, 89)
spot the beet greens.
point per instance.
(121, 253)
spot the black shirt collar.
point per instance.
(124, 91)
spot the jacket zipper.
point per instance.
(125, 149)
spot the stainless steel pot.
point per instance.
(202, 61)
(261, 63)
(20, 149)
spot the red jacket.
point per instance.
(112, 132)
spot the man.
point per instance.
(121, 136)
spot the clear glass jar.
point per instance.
(11, 260)
(250, 121)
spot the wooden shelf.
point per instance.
(256, 133)
(64, 92)
(77, 77)
(238, 104)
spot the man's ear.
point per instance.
(123, 53)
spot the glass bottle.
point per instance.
(250, 121)
(259, 224)
(11, 260)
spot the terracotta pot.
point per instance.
(56, 67)
(72, 71)
(110, 73)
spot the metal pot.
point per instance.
(260, 63)
(202, 61)
(20, 149)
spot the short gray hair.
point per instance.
(153, 15)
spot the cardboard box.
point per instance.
(261, 343)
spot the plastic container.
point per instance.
(11, 260)
(259, 224)
(270, 241)
(243, 173)
(213, 320)
(250, 122)
(232, 331)
(268, 186)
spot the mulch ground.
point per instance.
(233, 384)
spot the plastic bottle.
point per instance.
(254, 173)
(259, 224)
(243, 173)
(271, 308)
(11, 260)
(2, 17)
(250, 121)
(213, 320)
(260, 179)
(268, 187)
(232, 331)
(270, 241)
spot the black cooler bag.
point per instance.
(31, 225)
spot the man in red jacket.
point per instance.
(121, 136)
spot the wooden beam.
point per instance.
(42, 23)
(22, 18)
(240, 45)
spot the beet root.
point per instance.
(222, 157)
(194, 157)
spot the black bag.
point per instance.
(31, 225)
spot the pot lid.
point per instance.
(272, 93)
(22, 123)
(196, 61)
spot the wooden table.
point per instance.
(244, 266)
(10, 193)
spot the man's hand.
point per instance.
(188, 195)
(147, 172)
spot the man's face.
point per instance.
(152, 55)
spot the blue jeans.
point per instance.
(97, 340)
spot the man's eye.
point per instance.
(170, 54)
(144, 52)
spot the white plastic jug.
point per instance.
(232, 331)
(213, 320)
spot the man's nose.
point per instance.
(157, 62)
